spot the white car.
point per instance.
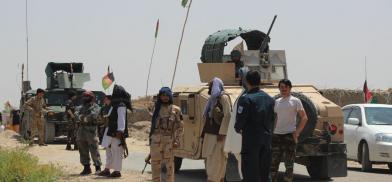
(368, 134)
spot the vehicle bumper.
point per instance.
(381, 152)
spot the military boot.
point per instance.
(97, 170)
(86, 170)
(68, 147)
(76, 147)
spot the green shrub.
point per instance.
(17, 165)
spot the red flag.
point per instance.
(367, 93)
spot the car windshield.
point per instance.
(56, 98)
(378, 115)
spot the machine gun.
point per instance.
(263, 52)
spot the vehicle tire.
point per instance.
(177, 164)
(317, 168)
(366, 165)
(50, 132)
(390, 167)
(311, 112)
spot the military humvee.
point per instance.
(321, 148)
(61, 78)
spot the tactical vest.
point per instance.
(212, 124)
(112, 125)
(165, 124)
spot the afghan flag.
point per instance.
(156, 29)
(368, 95)
(184, 3)
(108, 79)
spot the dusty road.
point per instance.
(192, 171)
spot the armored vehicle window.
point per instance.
(356, 113)
(346, 113)
(184, 107)
(56, 99)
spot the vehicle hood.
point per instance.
(381, 128)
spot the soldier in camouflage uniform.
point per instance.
(87, 138)
(37, 106)
(166, 130)
(72, 125)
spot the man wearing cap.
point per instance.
(37, 106)
(166, 130)
(87, 138)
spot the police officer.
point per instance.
(37, 106)
(87, 138)
(166, 130)
(254, 120)
(72, 125)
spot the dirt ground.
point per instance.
(55, 154)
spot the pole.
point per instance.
(149, 69)
(27, 44)
(179, 45)
(365, 69)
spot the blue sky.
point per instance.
(325, 41)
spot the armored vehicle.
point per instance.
(61, 78)
(320, 149)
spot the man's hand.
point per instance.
(221, 138)
(176, 145)
(295, 136)
(119, 135)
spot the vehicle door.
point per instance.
(347, 130)
(354, 136)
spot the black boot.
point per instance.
(97, 169)
(86, 170)
(68, 147)
(76, 147)
(115, 174)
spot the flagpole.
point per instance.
(179, 45)
(27, 43)
(149, 69)
(365, 68)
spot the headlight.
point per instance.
(382, 137)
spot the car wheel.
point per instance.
(365, 162)
(317, 168)
(177, 164)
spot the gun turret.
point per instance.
(258, 56)
(65, 75)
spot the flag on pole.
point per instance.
(368, 95)
(156, 29)
(184, 3)
(108, 79)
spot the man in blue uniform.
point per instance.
(254, 121)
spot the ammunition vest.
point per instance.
(165, 124)
(112, 125)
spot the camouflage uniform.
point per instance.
(87, 138)
(37, 107)
(168, 130)
(72, 125)
(283, 149)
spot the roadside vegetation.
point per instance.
(17, 165)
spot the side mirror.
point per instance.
(353, 121)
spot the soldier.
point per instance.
(87, 138)
(72, 125)
(166, 130)
(254, 120)
(117, 131)
(37, 106)
(103, 117)
(217, 117)
(286, 132)
(236, 59)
